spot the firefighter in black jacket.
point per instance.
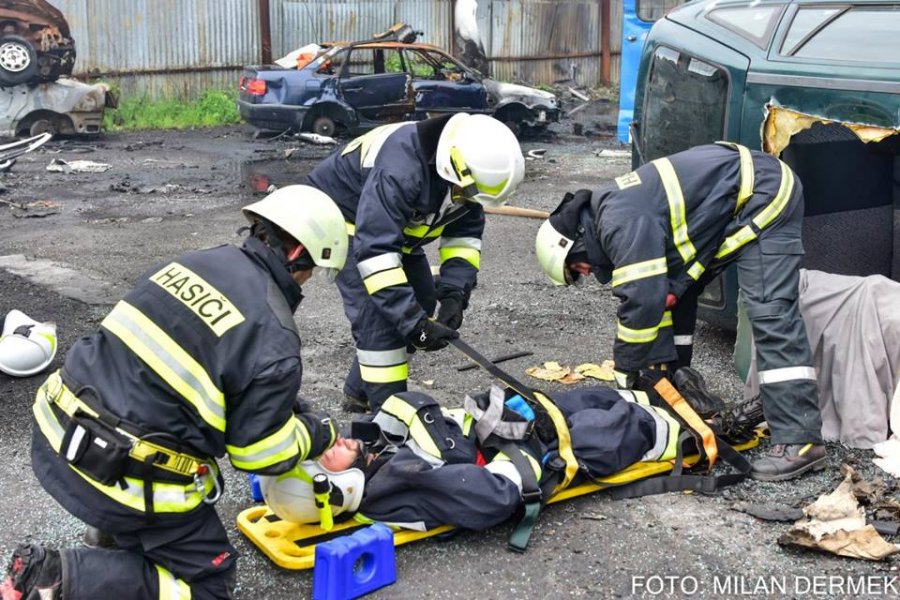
(199, 360)
(660, 233)
(400, 187)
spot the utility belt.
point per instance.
(105, 449)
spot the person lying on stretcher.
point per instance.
(417, 465)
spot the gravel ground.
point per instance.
(167, 193)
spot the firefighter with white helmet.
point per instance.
(201, 359)
(402, 186)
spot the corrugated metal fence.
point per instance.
(178, 48)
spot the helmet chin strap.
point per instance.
(264, 230)
(466, 179)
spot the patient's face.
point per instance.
(341, 456)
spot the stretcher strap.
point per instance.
(539, 401)
(674, 399)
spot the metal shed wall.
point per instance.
(179, 48)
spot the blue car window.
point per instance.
(805, 21)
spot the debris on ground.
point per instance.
(769, 512)
(537, 153)
(58, 165)
(603, 371)
(315, 138)
(38, 208)
(553, 371)
(836, 523)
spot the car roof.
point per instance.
(377, 44)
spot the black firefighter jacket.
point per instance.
(386, 184)
(675, 220)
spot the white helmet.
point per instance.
(551, 248)
(311, 217)
(26, 346)
(482, 156)
(292, 496)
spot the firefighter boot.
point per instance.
(693, 387)
(786, 461)
(34, 573)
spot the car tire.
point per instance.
(18, 60)
(43, 126)
(514, 126)
(324, 126)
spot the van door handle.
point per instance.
(352, 89)
(631, 38)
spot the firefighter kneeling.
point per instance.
(200, 359)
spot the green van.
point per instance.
(816, 82)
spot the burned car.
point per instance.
(65, 106)
(35, 43)
(351, 87)
(814, 82)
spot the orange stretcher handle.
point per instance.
(674, 399)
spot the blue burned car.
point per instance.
(345, 87)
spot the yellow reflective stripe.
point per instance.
(736, 240)
(273, 449)
(641, 270)
(666, 319)
(470, 255)
(167, 497)
(674, 430)
(303, 438)
(765, 217)
(400, 409)
(776, 206)
(423, 231)
(46, 420)
(351, 228)
(420, 435)
(677, 214)
(379, 281)
(695, 271)
(384, 374)
(171, 588)
(643, 336)
(745, 192)
(636, 336)
(168, 360)
(491, 189)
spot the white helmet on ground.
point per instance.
(311, 217)
(291, 495)
(482, 156)
(26, 346)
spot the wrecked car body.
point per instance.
(35, 43)
(815, 83)
(66, 106)
(353, 87)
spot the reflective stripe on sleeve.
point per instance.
(640, 270)
(423, 231)
(168, 360)
(787, 374)
(684, 340)
(273, 449)
(745, 191)
(677, 213)
(382, 262)
(383, 366)
(466, 248)
(170, 587)
(384, 279)
(695, 271)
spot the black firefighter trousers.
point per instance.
(768, 277)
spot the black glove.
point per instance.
(430, 335)
(322, 431)
(452, 305)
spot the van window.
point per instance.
(654, 10)
(864, 34)
(804, 22)
(754, 22)
(684, 103)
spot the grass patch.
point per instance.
(215, 107)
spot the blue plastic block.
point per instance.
(255, 490)
(354, 565)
